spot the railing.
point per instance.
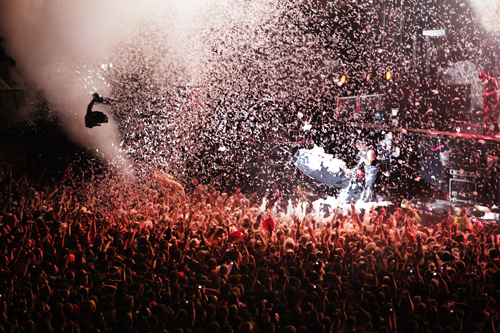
(357, 106)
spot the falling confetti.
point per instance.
(226, 91)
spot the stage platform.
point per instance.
(432, 211)
(434, 170)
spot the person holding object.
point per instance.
(368, 158)
(96, 98)
(95, 118)
(490, 102)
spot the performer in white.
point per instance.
(368, 158)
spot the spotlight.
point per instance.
(388, 75)
(343, 79)
(380, 117)
(368, 77)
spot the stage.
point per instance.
(439, 172)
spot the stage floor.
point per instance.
(431, 210)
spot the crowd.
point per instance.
(96, 254)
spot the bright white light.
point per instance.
(488, 13)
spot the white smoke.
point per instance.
(488, 13)
(61, 49)
(56, 46)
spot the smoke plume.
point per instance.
(61, 49)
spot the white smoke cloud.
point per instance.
(56, 45)
(488, 13)
(59, 47)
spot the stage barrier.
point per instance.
(365, 107)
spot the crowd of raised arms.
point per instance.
(90, 254)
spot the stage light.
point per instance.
(343, 79)
(368, 77)
(388, 75)
(380, 117)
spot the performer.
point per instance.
(368, 158)
(490, 102)
(385, 152)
